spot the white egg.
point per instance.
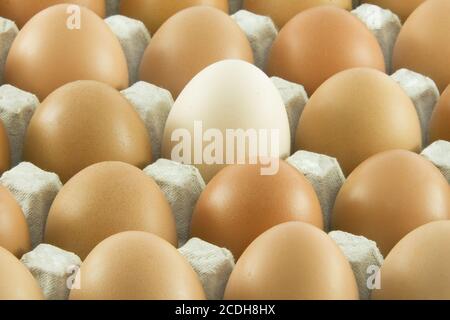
(228, 113)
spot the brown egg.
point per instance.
(292, 261)
(50, 51)
(20, 11)
(155, 12)
(136, 266)
(389, 195)
(83, 123)
(187, 43)
(14, 233)
(356, 114)
(281, 11)
(401, 8)
(427, 27)
(418, 268)
(440, 120)
(320, 42)
(240, 203)
(5, 152)
(16, 282)
(105, 199)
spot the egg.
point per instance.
(418, 268)
(389, 195)
(14, 233)
(423, 44)
(5, 152)
(20, 11)
(356, 114)
(292, 261)
(240, 203)
(281, 11)
(229, 113)
(136, 266)
(56, 47)
(155, 12)
(320, 42)
(83, 123)
(401, 8)
(105, 199)
(16, 282)
(440, 119)
(187, 43)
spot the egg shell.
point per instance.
(227, 95)
(16, 282)
(83, 123)
(155, 12)
(292, 261)
(423, 44)
(187, 43)
(105, 199)
(14, 233)
(136, 266)
(401, 8)
(356, 114)
(389, 195)
(320, 42)
(418, 268)
(20, 11)
(281, 11)
(51, 51)
(440, 120)
(5, 152)
(239, 204)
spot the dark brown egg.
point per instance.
(105, 199)
(240, 203)
(190, 41)
(55, 47)
(136, 266)
(320, 42)
(389, 195)
(83, 123)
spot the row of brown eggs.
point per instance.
(308, 50)
(65, 135)
(281, 254)
(380, 187)
(155, 12)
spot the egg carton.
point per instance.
(182, 185)
(134, 37)
(36, 189)
(54, 268)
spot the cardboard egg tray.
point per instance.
(36, 189)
